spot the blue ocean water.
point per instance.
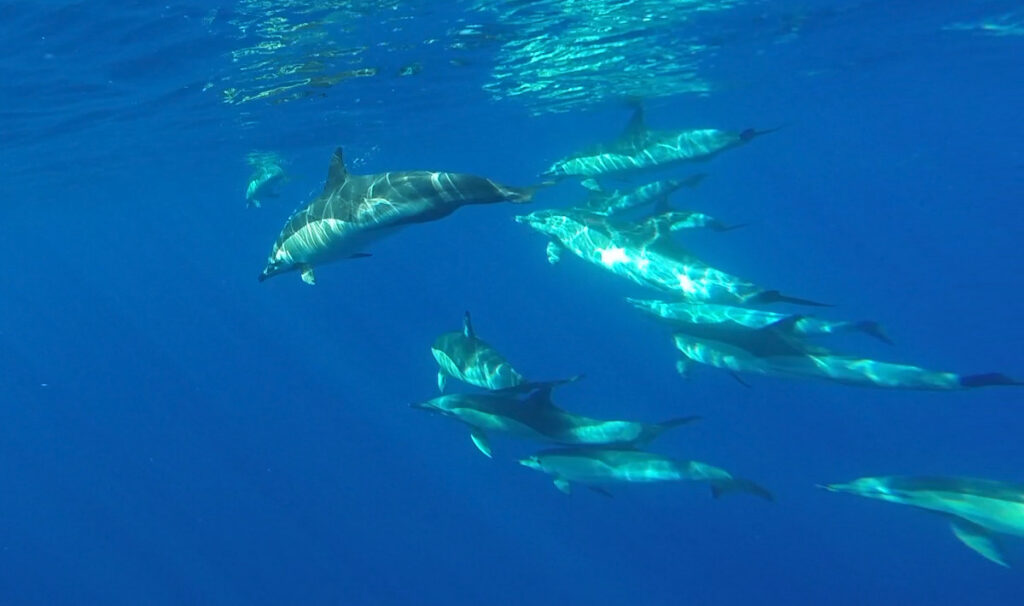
(174, 432)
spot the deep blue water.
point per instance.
(174, 432)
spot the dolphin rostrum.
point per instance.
(537, 418)
(639, 149)
(470, 359)
(977, 509)
(600, 466)
(355, 210)
(644, 253)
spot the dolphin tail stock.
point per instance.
(874, 329)
(728, 486)
(988, 379)
(774, 296)
(654, 430)
(752, 133)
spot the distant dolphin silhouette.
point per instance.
(356, 210)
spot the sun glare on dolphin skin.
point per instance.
(686, 284)
(611, 256)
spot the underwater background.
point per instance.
(174, 432)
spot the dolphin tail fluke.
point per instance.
(721, 487)
(988, 379)
(774, 296)
(875, 330)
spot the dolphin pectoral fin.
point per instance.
(554, 252)
(874, 329)
(683, 368)
(980, 540)
(442, 380)
(563, 485)
(481, 442)
(739, 379)
(306, 271)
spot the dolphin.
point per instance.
(644, 253)
(537, 418)
(638, 149)
(267, 173)
(977, 509)
(789, 357)
(356, 210)
(729, 319)
(596, 467)
(657, 192)
(470, 359)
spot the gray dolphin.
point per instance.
(723, 320)
(356, 210)
(657, 192)
(537, 418)
(775, 351)
(600, 466)
(470, 359)
(267, 173)
(639, 148)
(977, 509)
(644, 253)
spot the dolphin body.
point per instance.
(774, 351)
(261, 184)
(356, 210)
(724, 320)
(657, 192)
(470, 359)
(596, 467)
(638, 149)
(977, 509)
(645, 254)
(537, 418)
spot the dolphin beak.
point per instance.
(263, 275)
(833, 487)
(521, 219)
(418, 406)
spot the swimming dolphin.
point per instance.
(470, 359)
(356, 210)
(788, 356)
(267, 172)
(657, 192)
(645, 254)
(600, 466)
(977, 509)
(639, 148)
(725, 319)
(537, 418)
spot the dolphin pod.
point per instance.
(355, 210)
(713, 317)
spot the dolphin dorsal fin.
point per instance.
(636, 128)
(467, 326)
(785, 325)
(540, 398)
(336, 172)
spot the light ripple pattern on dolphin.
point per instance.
(356, 210)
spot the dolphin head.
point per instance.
(872, 488)
(533, 462)
(550, 222)
(279, 262)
